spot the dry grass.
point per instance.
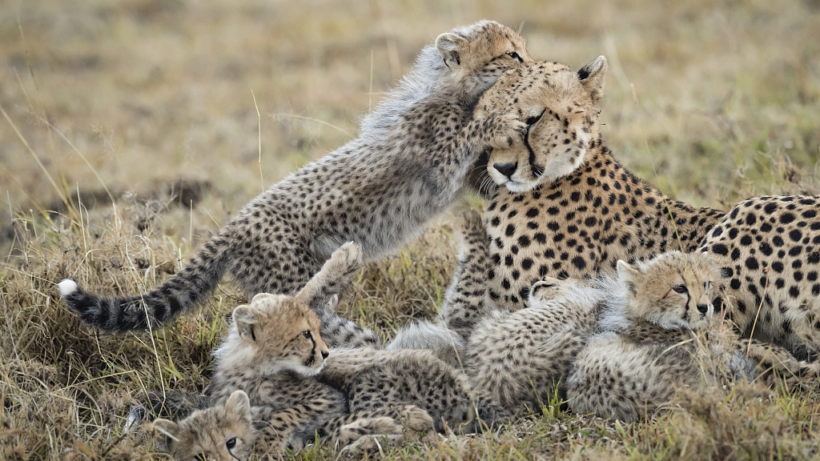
(151, 103)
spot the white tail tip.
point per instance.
(67, 287)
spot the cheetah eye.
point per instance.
(515, 56)
(306, 334)
(680, 289)
(230, 443)
(533, 120)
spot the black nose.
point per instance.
(325, 354)
(507, 169)
(702, 308)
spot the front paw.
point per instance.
(545, 290)
(347, 260)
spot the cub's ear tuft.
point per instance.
(168, 434)
(627, 274)
(451, 47)
(593, 77)
(239, 404)
(245, 318)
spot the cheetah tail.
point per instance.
(179, 294)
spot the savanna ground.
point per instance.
(130, 131)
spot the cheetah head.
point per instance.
(216, 434)
(274, 333)
(560, 109)
(673, 290)
(476, 55)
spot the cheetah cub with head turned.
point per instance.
(379, 190)
(658, 335)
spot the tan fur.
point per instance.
(567, 208)
(661, 342)
(769, 251)
(409, 163)
(272, 352)
(524, 358)
(220, 433)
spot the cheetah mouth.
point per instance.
(518, 186)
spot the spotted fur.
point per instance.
(379, 190)
(769, 251)
(564, 207)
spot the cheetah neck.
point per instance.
(659, 223)
(428, 77)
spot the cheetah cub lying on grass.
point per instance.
(657, 334)
(272, 354)
(410, 160)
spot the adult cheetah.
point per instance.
(567, 208)
(407, 165)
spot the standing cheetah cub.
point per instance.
(379, 190)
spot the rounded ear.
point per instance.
(450, 47)
(627, 274)
(261, 296)
(593, 77)
(239, 405)
(244, 317)
(168, 434)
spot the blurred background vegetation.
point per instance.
(160, 105)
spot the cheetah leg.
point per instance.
(774, 361)
(336, 274)
(283, 429)
(464, 301)
(362, 429)
(322, 293)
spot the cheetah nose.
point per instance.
(507, 169)
(702, 308)
(325, 354)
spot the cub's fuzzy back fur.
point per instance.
(406, 167)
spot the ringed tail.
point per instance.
(182, 292)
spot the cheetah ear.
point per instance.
(593, 77)
(245, 319)
(627, 275)
(168, 434)
(239, 405)
(451, 47)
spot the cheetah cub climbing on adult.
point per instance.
(379, 190)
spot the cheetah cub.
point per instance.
(410, 160)
(272, 353)
(228, 432)
(658, 335)
(523, 358)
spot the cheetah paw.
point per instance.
(346, 260)
(547, 289)
(416, 419)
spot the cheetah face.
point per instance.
(560, 109)
(674, 290)
(282, 334)
(478, 54)
(216, 434)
